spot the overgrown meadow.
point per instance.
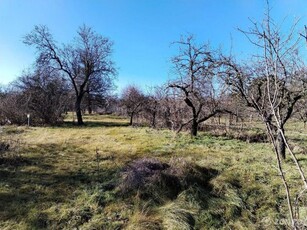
(108, 175)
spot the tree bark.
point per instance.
(89, 100)
(281, 145)
(131, 119)
(89, 104)
(78, 111)
(194, 128)
(167, 121)
(153, 122)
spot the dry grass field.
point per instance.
(91, 177)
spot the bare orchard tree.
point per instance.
(133, 100)
(176, 112)
(275, 82)
(272, 85)
(151, 109)
(196, 83)
(162, 108)
(98, 91)
(155, 108)
(87, 57)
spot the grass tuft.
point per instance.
(179, 214)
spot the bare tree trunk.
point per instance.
(281, 145)
(89, 100)
(282, 174)
(153, 122)
(167, 121)
(194, 128)
(131, 119)
(237, 116)
(78, 110)
(230, 119)
(89, 104)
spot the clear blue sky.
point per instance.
(142, 30)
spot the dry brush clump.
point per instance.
(168, 190)
(152, 179)
(10, 152)
(242, 132)
(149, 178)
(4, 146)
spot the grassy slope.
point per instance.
(57, 182)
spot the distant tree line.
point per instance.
(79, 76)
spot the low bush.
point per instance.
(152, 179)
(250, 136)
(4, 147)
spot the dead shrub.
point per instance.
(250, 137)
(4, 147)
(149, 178)
(152, 179)
(10, 153)
(189, 174)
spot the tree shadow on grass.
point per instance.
(34, 180)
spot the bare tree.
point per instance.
(98, 91)
(133, 99)
(89, 56)
(161, 108)
(275, 82)
(155, 106)
(151, 108)
(272, 85)
(196, 83)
